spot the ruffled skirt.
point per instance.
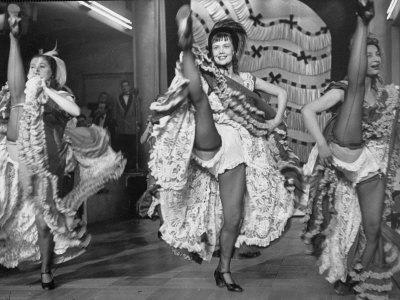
(23, 195)
(189, 194)
(334, 227)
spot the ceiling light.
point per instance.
(108, 13)
(111, 12)
(391, 8)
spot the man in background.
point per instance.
(127, 117)
(103, 116)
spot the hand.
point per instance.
(43, 86)
(272, 124)
(325, 154)
(289, 184)
(154, 190)
(44, 83)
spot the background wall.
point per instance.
(101, 58)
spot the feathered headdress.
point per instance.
(61, 72)
(235, 30)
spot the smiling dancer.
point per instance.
(352, 180)
(220, 153)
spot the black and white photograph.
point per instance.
(200, 149)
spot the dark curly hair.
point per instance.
(231, 29)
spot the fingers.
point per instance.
(327, 161)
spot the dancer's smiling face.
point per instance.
(40, 66)
(374, 60)
(222, 50)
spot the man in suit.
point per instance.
(127, 116)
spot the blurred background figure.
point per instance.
(103, 116)
(127, 115)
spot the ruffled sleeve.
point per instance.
(249, 80)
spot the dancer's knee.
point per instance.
(232, 222)
(199, 100)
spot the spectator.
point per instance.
(127, 110)
(103, 116)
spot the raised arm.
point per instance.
(277, 91)
(309, 113)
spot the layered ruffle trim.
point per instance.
(97, 162)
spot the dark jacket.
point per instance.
(127, 116)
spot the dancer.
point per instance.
(353, 177)
(218, 153)
(39, 218)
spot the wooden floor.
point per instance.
(127, 261)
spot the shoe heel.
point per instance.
(47, 285)
(219, 281)
(184, 23)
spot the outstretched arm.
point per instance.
(309, 113)
(277, 91)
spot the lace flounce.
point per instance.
(189, 193)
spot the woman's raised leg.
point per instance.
(348, 129)
(206, 134)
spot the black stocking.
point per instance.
(46, 246)
(348, 129)
(206, 134)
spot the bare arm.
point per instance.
(277, 91)
(66, 103)
(310, 111)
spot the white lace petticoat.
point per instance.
(356, 171)
(227, 157)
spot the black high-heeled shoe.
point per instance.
(344, 288)
(47, 285)
(184, 22)
(220, 282)
(367, 11)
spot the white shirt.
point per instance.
(126, 98)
